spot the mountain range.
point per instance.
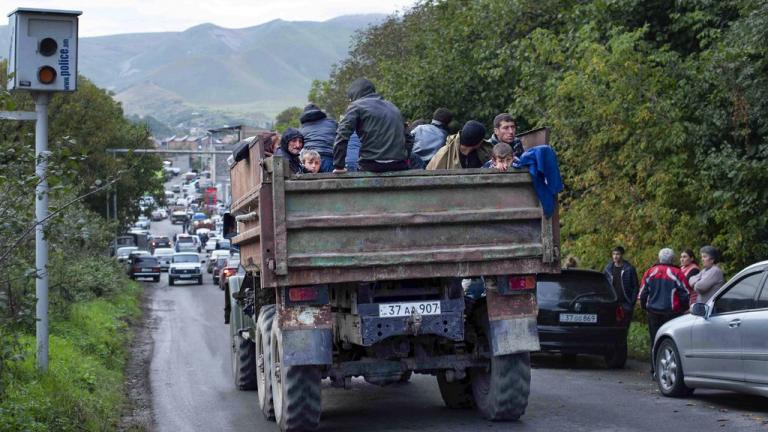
(207, 74)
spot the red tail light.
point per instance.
(619, 314)
(302, 294)
(519, 283)
(227, 272)
(157, 269)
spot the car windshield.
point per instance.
(221, 262)
(233, 263)
(186, 258)
(146, 261)
(554, 290)
(185, 240)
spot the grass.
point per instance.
(83, 388)
(638, 342)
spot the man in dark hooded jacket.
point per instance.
(291, 144)
(380, 127)
(319, 133)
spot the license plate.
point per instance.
(408, 309)
(578, 318)
(146, 270)
(186, 276)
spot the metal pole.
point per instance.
(41, 212)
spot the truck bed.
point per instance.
(358, 227)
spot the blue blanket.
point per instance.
(545, 173)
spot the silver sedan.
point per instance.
(721, 344)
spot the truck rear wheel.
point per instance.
(295, 391)
(456, 394)
(500, 389)
(243, 362)
(263, 356)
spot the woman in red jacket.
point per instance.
(690, 268)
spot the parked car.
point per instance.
(721, 344)
(164, 256)
(216, 255)
(185, 266)
(579, 313)
(123, 252)
(144, 266)
(228, 270)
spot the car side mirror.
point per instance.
(699, 309)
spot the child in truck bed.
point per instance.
(311, 161)
(501, 157)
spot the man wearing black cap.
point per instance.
(466, 149)
(380, 127)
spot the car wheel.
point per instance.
(456, 394)
(170, 281)
(200, 280)
(616, 358)
(156, 279)
(669, 371)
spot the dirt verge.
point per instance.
(137, 414)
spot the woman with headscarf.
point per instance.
(711, 278)
(291, 144)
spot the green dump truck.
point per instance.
(366, 275)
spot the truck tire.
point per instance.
(243, 354)
(263, 356)
(295, 391)
(500, 390)
(456, 394)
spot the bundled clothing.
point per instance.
(707, 282)
(293, 160)
(450, 156)
(542, 165)
(624, 281)
(427, 140)
(379, 125)
(319, 133)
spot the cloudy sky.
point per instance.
(102, 17)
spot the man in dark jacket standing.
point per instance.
(319, 133)
(623, 276)
(380, 127)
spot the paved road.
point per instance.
(192, 387)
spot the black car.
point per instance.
(579, 313)
(144, 267)
(159, 242)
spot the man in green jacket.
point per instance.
(466, 149)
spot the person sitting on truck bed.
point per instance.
(380, 127)
(501, 158)
(311, 160)
(429, 138)
(290, 146)
(466, 149)
(504, 129)
(319, 133)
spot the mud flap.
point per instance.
(512, 321)
(307, 335)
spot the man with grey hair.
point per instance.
(663, 292)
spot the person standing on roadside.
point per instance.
(711, 278)
(690, 268)
(663, 292)
(381, 129)
(623, 276)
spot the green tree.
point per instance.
(289, 117)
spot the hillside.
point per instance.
(249, 73)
